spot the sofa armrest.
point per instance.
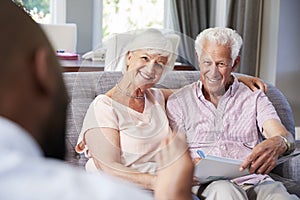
(291, 167)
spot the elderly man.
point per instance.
(32, 120)
(222, 117)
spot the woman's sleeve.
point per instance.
(100, 114)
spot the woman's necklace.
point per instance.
(128, 94)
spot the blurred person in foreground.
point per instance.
(32, 120)
(222, 117)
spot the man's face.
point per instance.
(215, 68)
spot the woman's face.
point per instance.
(145, 68)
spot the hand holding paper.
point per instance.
(211, 168)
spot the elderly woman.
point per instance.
(123, 128)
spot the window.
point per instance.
(39, 10)
(45, 11)
(125, 15)
(108, 17)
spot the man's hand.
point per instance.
(264, 156)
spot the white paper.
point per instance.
(213, 168)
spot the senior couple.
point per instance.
(123, 129)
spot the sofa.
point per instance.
(83, 87)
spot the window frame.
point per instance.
(58, 11)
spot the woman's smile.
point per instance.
(146, 76)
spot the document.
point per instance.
(211, 168)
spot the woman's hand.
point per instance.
(195, 181)
(196, 160)
(253, 83)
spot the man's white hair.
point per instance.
(220, 36)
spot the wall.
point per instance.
(280, 57)
(81, 13)
(288, 65)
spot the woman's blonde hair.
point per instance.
(153, 41)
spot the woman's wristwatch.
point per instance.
(290, 146)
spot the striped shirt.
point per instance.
(231, 130)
